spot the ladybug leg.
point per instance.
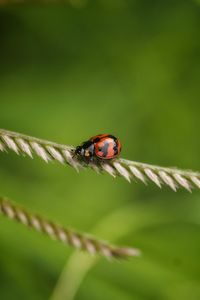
(92, 159)
(86, 160)
(98, 161)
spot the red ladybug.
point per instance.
(102, 147)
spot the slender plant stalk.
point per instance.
(80, 264)
(66, 236)
(130, 170)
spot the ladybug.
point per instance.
(100, 147)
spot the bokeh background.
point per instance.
(70, 71)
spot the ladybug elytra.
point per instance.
(102, 147)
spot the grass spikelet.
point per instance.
(67, 236)
(130, 170)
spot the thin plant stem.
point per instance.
(130, 170)
(67, 236)
(79, 264)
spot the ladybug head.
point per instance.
(86, 150)
(79, 150)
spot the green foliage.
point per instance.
(131, 69)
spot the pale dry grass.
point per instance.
(70, 237)
(130, 170)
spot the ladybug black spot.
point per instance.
(115, 148)
(105, 149)
(96, 140)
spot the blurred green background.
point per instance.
(67, 72)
